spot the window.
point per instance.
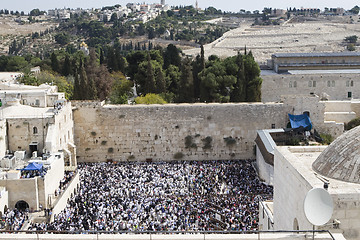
(347, 83)
(310, 84)
(273, 126)
(295, 85)
(333, 83)
(37, 102)
(35, 130)
(290, 84)
(314, 83)
(328, 83)
(349, 94)
(351, 83)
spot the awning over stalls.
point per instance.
(300, 121)
(33, 166)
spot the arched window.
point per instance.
(351, 83)
(333, 83)
(35, 130)
(295, 85)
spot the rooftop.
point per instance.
(341, 160)
(319, 54)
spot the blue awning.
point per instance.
(33, 166)
(298, 121)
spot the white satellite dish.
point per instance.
(318, 206)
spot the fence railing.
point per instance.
(150, 233)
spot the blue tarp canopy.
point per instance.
(33, 166)
(298, 121)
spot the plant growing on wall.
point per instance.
(230, 141)
(103, 142)
(131, 157)
(178, 155)
(93, 134)
(207, 142)
(110, 150)
(189, 142)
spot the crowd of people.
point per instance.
(175, 196)
(13, 219)
(64, 182)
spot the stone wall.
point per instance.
(336, 85)
(168, 132)
(22, 189)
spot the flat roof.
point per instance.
(320, 54)
(302, 158)
(309, 72)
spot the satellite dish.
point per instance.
(318, 206)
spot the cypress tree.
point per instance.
(150, 82)
(160, 81)
(102, 60)
(76, 91)
(186, 88)
(83, 93)
(238, 93)
(54, 62)
(67, 66)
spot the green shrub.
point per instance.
(230, 141)
(353, 123)
(178, 155)
(327, 138)
(110, 150)
(189, 142)
(292, 142)
(207, 142)
(93, 133)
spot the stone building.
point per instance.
(329, 84)
(315, 61)
(36, 125)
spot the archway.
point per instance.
(21, 205)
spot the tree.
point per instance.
(54, 62)
(173, 75)
(150, 98)
(62, 38)
(186, 85)
(150, 81)
(252, 79)
(63, 84)
(77, 88)
(83, 93)
(151, 32)
(238, 93)
(121, 89)
(171, 56)
(67, 66)
(160, 81)
(114, 17)
(355, 10)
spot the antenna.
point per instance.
(318, 206)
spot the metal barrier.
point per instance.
(150, 233)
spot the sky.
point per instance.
(225, 5)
